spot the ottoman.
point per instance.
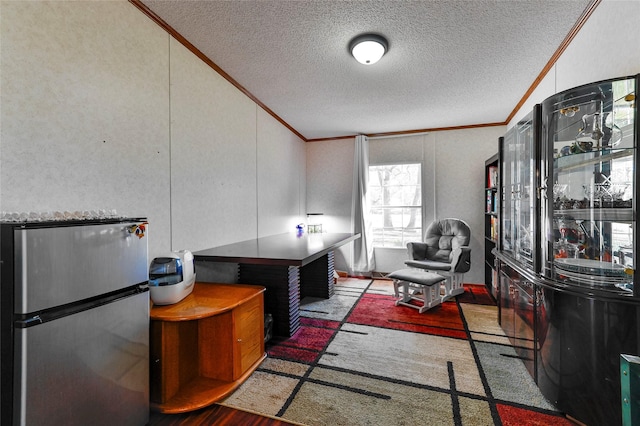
(417, 285)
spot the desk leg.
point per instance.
(282, 295)
(316, 278)
(286, 285)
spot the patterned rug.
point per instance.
(360, 360)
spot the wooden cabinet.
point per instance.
(205, 346)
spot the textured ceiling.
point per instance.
(450, 62)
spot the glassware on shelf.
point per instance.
(569, 243)
(616, 191)
(624, 256)
(612, 133)
(559, 191)
(590, 133)
(591, 161)
(593, 272)
(595, 191)
(570, 111)
(606, 194)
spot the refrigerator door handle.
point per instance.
(29, 322)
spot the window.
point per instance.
(395, 197)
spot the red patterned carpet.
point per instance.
(359, 359)
(380, 311)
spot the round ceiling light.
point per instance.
(368, 48)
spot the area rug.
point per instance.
(358, 359)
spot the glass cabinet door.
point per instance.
(507, 169)
(589, 141)
(519, 190)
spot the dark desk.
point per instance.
(289, 266)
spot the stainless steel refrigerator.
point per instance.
(74, 323)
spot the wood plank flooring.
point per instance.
(213, 416)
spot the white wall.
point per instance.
(213, 156)
(101, 108)
(329, 186)
(281, 177)
(453, 180)
(84, 111)
(605, 47)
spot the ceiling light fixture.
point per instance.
(368, 48)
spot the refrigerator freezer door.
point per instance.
(60, 265)
(90, 368)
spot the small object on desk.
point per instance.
(314, 223)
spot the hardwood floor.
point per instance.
(214, 415)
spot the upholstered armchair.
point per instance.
(445, 251)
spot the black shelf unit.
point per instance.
(491, 221)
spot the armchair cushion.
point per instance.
(429, 265)
(417, 250)
(445, 248)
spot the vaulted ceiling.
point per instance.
(450, 63)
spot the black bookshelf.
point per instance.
(491, 221)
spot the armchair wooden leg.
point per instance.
(406, 292)
(453, 286)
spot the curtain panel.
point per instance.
(363, 258)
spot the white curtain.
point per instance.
(363, 260)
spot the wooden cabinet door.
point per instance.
(249, 334)
(216, 347)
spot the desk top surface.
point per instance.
(281, 249)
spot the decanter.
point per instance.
(590, 134)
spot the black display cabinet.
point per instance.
(569, 293)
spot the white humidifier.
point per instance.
(171, 277)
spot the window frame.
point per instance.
(420, 207)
